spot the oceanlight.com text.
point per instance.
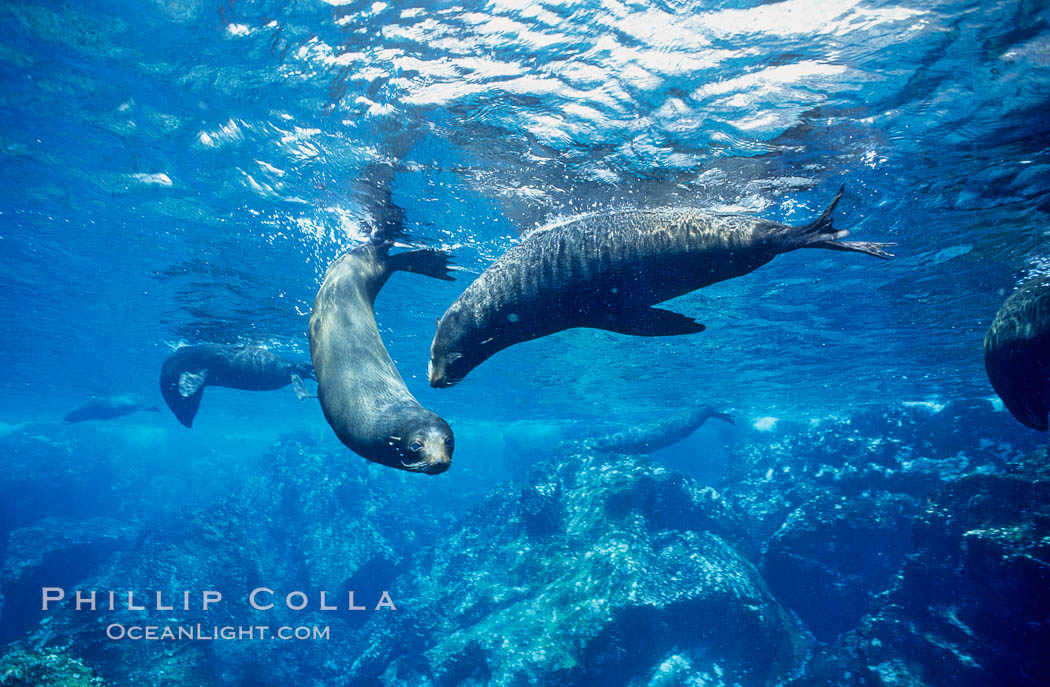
(207, 633)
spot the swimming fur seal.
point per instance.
(605, 270)
(191, 368)
(107, 408)
(653, 437)
(1017, 353)
(362, 394)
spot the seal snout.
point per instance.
(445, 368)
(442, 382)
(433, 463)
(427, 449)
(436, 374)
(440, 377)
(437, 468)
(437, 457)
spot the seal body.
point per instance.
(653, 437)
(1017, 353)
(363, 396)
(190, 369)
(606, 270)
(107, 408)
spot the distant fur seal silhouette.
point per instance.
(605, 270)
(363, 396)
(108, 408)
(191, 368)
(653, 437)
(1017, 353)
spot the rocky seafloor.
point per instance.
(897, 547)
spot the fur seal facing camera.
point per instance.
(363, 396)
(1017, 353)
(653, 437)
(107, 408)
(191, 368)
(605, 270)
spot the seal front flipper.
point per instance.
(429, 261)
(300, 389)
(724, 417)
(647, 322)
(182, 390)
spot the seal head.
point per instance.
(423, 443)
(453, 352)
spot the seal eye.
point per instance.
(415, 446)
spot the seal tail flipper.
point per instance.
(182, 391)
(429, 261)
(300, 389)
(820, 233)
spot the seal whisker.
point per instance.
(415, 467)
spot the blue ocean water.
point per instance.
(183, 171)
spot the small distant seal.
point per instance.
(1017, 353)
(363, 396)
(108, 408)
(653, 437)
(191, 368)
(605, 270)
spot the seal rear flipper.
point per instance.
(866, 247)
(821, 233)
(648, 322)
(429, 261)
(300, 389)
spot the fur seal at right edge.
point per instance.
(191, 368)
(1017, 353)
(605, 270)
(363, 396)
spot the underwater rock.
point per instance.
(830, 505)
(51, 668)
(831, 553)
(45, 472)
(591, 572)
(55, 551)
(972, 605)
(308, 519)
